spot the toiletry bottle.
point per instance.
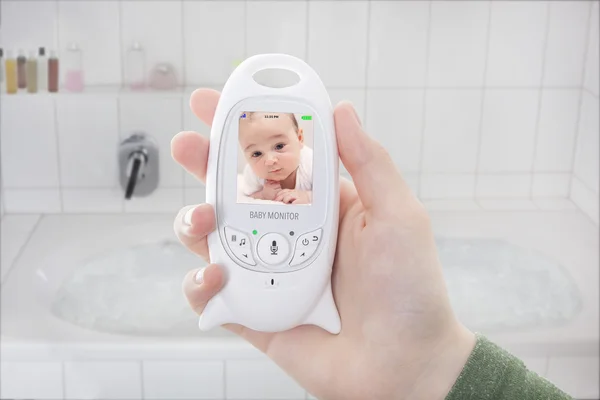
(11, 73)
(73, 69)
(136, 67)
(22, 69)
(42, 76)
(32, 73)
(2, 79)
(53, 72)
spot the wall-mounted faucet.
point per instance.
(138, 165)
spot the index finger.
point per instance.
(190, 149)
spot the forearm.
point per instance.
(493, 373)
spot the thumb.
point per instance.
(377, 181)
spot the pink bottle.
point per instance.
(73, 69)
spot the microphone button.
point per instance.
(273, 249)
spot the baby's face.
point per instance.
(271, 145)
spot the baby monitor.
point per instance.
(272, 178)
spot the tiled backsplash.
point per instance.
(505, 105)
(584, 186)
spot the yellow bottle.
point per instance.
(32, 74)
(11, 73)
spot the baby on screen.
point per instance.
(279, 165)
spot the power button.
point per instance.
(273, 248)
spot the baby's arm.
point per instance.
(293, 196)
(269, 191)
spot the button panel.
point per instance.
(273, 248)
(240, 246)
(306, 245)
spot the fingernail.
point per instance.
(187, 218)
(200, 276)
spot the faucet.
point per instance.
(138, 162)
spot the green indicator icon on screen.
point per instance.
(307, 117)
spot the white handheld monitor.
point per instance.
(272, 178)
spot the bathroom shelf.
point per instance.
(113, 90)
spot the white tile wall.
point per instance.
(104, 380)
(457, 50)
(559, 111)
(447, 186)
(551, 185)
(392, 41)
(338, 28)
(28, 25)
(156, 25)
(395, 119)
(161, 200)
(506, 204)
(578, 376)
(451, 205)
(28, 144)
(88, 134)
(585, 199)
(210, 60)
(516, 46)
(508, 130)
(288, 19)
(584, 186)
(503, 185)
(415, 71)
(451, 134)
(31, 380)
(565, 49)
(263, 379)
(183, 380)
(592, 69)
(92, 200)
(554, 204)
(586, 157)
(32, 200)
(94, 26)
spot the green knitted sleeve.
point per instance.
(492, 373)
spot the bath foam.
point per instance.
(134, 291)
(493, 286)
(496, 286)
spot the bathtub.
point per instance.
(49, 352)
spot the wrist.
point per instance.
(445, 365)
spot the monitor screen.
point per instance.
(275, 158)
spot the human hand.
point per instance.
(399, 337)
(271, 189)
(294, 196)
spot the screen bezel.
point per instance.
(237, 215)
